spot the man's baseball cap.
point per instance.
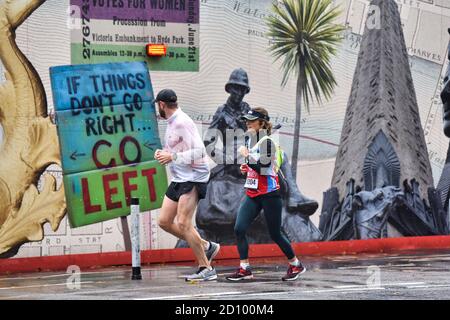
(166, 95)
(253, 115)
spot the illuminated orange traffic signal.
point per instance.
(156, 50)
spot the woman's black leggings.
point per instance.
(248, 211)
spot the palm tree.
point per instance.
(305, 34)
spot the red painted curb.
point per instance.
(95, 260)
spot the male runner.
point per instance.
(185, 155)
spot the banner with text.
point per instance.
(119, 30)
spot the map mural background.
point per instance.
(232, 34)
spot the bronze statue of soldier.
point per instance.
(216, 213)
(229, 123)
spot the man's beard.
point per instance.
(162, 113)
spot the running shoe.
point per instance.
(294, 272)
(212, 251)
(241, 274)
(202, 274)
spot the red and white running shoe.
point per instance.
(241, 274)
(294, 272)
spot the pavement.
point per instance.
(414, 275)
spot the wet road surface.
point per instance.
(418, 275)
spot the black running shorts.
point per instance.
(177, 189)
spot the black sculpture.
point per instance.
(445, 97)
(216, 214)
(443, 187)
(383, 174)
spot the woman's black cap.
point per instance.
(253, 115)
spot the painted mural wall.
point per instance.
(231, 34)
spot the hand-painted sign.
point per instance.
(117, 31)
(108, 135)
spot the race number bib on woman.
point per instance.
(252, 180)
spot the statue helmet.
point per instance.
(238, 76)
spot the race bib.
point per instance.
(252, 180)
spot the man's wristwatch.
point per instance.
(174, 156)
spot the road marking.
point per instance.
(35, 278)
(15, 297)
(345, 290)
(405, 283)
(96, 292)
(429, 286)
(275, 281)
(88, 273)
(401, 257)
(384, 285)
(56, 276)
(435, 259)
(43, 285)
(269, 293)
(188, 296)
(224, 274)
(272, 293)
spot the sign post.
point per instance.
(126, 233)
(135, 241)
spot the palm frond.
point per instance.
(304, 33)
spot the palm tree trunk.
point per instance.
(298, 117)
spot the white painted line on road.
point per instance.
(274, 281)
(400, 257)
(222, 294)
(36, 278)
(378, 266)
(429, 286)
(384, 285)
(200, 295)
(403, 283)
(446, 288)
(15, 297)
(437, 259)
(64, 275)
(345, 290)
(42, 285)
(224, 274)
(269, 293)
(125, 271)
(51, 276)
(274, 293)
(97, 292)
